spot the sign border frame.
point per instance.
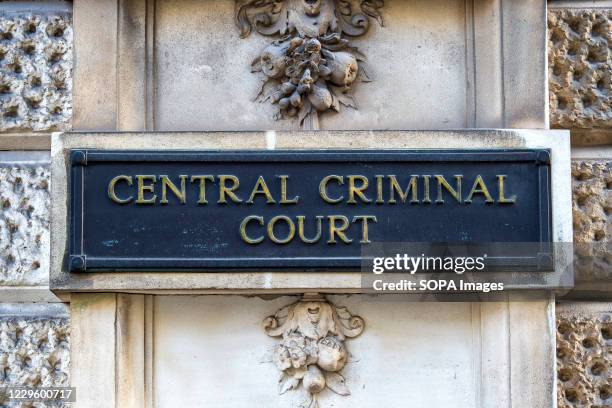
(78, 261)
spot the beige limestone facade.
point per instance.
(176, 74)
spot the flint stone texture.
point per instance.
(24, 223)
(35, 71)
(34, 346)
(580, 68)
(592, 212)
(584, 358)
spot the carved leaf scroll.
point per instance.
(282, 17)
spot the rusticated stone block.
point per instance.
(34, 352)
(592, 212)
(35, 72)
(584, 358)
(24, 223)
(580, 68)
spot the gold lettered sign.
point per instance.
(295, 210)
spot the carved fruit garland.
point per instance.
(311, 69)
(311, 350)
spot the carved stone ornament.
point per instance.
(311, 351)
(311, 68)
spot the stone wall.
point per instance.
(36, 60)
(34, 345)
(580, 70)
(24, 223)
(580, 95)
(592, 212)
(35, 98)
(584, 361)
(35, 71)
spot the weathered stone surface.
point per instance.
(427, 353)
(312, 350)
(34, 347)
(311, 69)
(592, 213)
(35, 71)
(580, 68)
(34, 351)
(24, 223)
(584, 342)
